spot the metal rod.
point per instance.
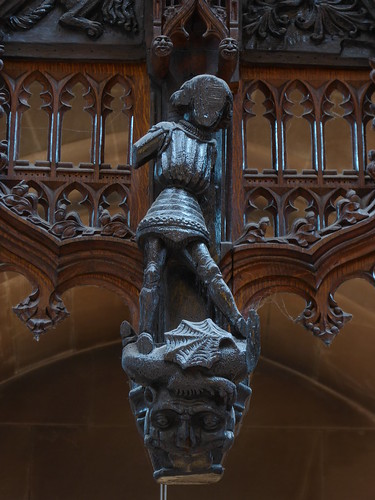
(163, 492)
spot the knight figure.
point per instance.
(185, 153)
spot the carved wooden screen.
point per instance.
(304, 202)
(73, 125)
(70, 128)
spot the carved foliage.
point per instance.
(39, 315)
(23, 203)
(116, 226)
(324, 320)
(254, 232)
(304, 231)
(334, 17)
(264, 18)
(67, 224)
(319, 18)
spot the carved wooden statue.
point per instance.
(191, 390)
(185, 155)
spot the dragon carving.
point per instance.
(86, 15)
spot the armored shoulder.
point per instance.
(150, 144)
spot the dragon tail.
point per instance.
(28, 19)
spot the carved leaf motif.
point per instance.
(197, 344)
(68, 225)
(23, 203)
(304, 231)
(254, 232)
(318, 17)
(264, 18)
(349, 212)
(325, 322)
(334, 17)
(116, 226)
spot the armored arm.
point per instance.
(152, 143)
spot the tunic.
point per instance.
(183, 169)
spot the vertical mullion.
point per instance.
(279, 141)
(14, 127)
(360, 136)
(98, 144)
(319, 136)
(54, 149)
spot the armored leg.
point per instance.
(154, 260)
(200, 259)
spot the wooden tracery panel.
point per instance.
(320, 116)
(59, 127)
(303, 226)
(67, 213)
